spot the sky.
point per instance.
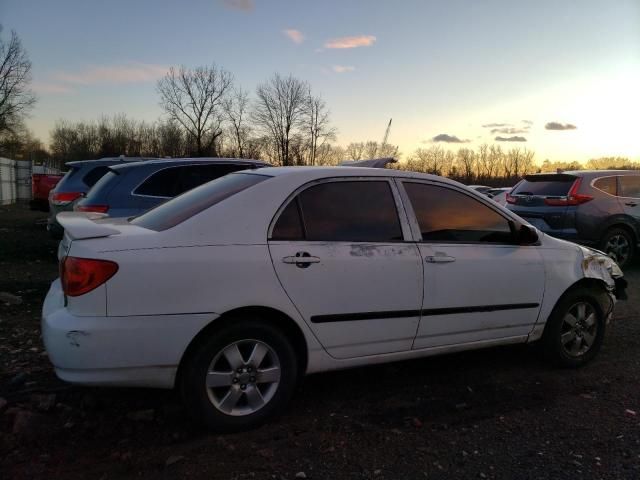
(561, 77)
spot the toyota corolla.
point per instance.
(234, 290)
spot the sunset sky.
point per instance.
(562, 75)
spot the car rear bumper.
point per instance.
(140, 351)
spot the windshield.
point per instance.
(182, 207)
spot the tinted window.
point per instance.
(173, 181)
(179, 209)
(630, 186)
(94, 175)
(289, 224)
(606, 184)
(359, 211)
(163, 183)
(446, 215)
(545, 185)
(195, 175)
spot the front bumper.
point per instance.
(140, 351)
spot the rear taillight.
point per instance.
(64, 198)
(92, 208)
(572, 198)
(81, 275)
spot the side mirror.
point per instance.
(527, 235)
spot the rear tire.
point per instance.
(619, 244)
(575, 330)
(239, 377)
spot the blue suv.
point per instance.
(129, 190)
(600, 208)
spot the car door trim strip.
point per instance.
(349, 317)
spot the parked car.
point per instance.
(499, 195)
(600, 208)
(233, 290)
(81, 176)
(480, 188)
(131, 189)
(43, 180)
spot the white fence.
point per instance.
(15, 180)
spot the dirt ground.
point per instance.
(498, 413)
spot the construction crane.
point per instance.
(384, 140)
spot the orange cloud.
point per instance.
(294, 35)
(351, 42)
(343, 68)
(127, 73)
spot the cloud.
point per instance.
(511, 139)
(114, 74)
(559, 126)
(527, 122)
(443, 137)
(294, 35)
(351, 42)
(342, 68)
(509, 130)
(241, 5)
(494, 125)
(45, 87)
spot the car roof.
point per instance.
(190, 161)
(312, 173)
(107, 161)
(601, 172)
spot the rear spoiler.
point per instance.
(549, 177)
(371, 163)
(81, 225)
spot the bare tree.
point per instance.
(466, 163)
(193, 98)
(316, 125)
(279, 111)
(236, 108)
(355, 151)
(16, 99)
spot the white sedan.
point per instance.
(234, 290)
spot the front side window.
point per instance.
(630, 186)
(446, 215)
(349, 211)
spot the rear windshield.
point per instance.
(182, 207)
(66, 179)
(98, 188)
(545, 185)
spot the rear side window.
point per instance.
(446, 215)
(358, 211)
(545, 185)
(289, 224)
(630, 186)
(606, 184)
(183, 207)
(173, 181)
(95, 174)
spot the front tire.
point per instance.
(575, 330)
(240, 376)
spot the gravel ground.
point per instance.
(498, 413)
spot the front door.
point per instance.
(478, 284)
(338, 250)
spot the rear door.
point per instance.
(339, 251)
(629, 197)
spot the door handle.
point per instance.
(439, 259)
(301, 259)
(631, 204)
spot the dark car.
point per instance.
(129, 190)
(599, 208)
(81, 176)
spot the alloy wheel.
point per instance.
(618, 248)
(243, 377)
(579, 329)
